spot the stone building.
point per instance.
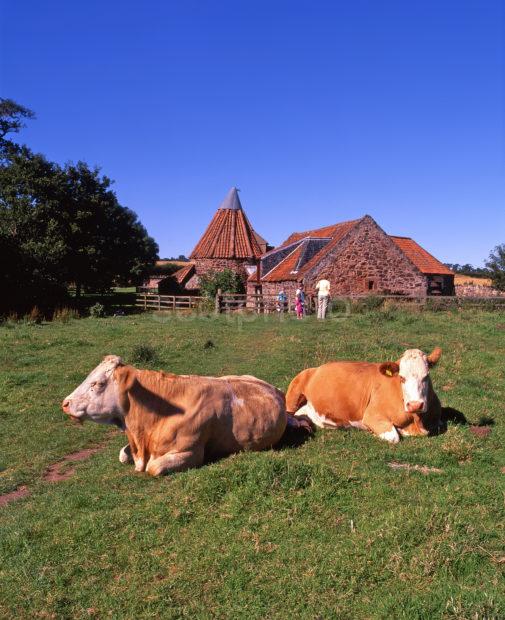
(357, 257)
(229, 242)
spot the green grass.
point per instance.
(325, 530)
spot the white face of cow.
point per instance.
(97, 398)
(413, 369)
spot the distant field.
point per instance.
(325, 530)
(459, 279)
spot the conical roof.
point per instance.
(229, 234)
(232, 201)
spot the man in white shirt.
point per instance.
(323, 296)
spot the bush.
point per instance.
(97, 311)
(65, 314)
(143, 354)
(227, 280)
(35, 317)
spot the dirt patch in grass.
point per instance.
(18, 493)
(57, 472)
(480, 431)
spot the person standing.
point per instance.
(299, 301)
(281, 301)
(323, 296)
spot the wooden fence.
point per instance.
(151, 301)
(267, 304)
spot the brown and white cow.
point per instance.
(388, 399)
(172, 421)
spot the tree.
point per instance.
(62, 226)
(107, 243)
(32, 231)
(227, 280)
(12, 116)
(496, 266)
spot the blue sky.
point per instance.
(318, 111)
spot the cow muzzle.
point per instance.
(415, 406)
(65, 406)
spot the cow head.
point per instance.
(413, 369)
(101, 396)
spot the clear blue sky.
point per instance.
(318, 111)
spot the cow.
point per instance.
(174, 422)
(389, 399)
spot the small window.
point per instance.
(370, 284)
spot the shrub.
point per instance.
(143, 354)
(65, 314)
(227, 280)
(97, 311)
(35, 316)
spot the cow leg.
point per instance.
(413, 429)
(381, 427)
(175, 461)
(125, 454)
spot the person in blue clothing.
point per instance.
(281, 301)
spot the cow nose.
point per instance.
(414, 405)
(65, 405)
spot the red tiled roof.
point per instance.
(229, 235)
(184, 273)
(325, 231)
(283, 270)
(423, 260)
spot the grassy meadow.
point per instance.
(323, 530)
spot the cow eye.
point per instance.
(402, 379)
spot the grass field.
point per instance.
(324, 530)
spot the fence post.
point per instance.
(159, 302)
(217, 306)
(145, 302)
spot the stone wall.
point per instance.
(273, 288)
(367, 261)
(238, 265)
(474, 290)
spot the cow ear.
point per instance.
(389, 369)
(125, 377)
(434, 356)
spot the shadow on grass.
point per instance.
(449, 414)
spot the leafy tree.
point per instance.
(469, 270)
(62, 226)
(496, 266)
(107, 244)
(12, 116)
(32, 231)
(227, 280)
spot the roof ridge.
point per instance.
(327, 226)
